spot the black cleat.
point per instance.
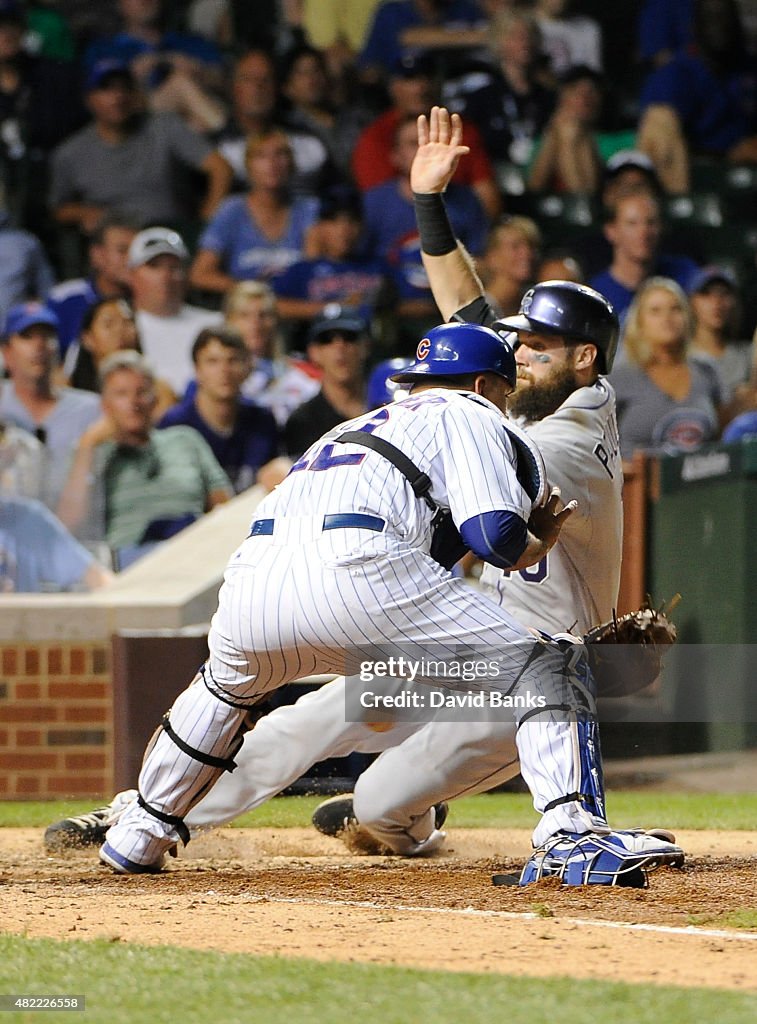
(337, 815)
(84, 830)
(79, 832)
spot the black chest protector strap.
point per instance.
(420, 482)
(447, 545)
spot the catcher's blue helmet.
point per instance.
(569, 309)
(381, 387)
(454, 350)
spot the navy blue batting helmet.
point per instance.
(455, 350)
(569, 309)
(381, 385)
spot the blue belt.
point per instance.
(336, 521)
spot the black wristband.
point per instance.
(434, 228)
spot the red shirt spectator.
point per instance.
(372, 159)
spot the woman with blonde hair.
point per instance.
(667, 401)
(258, 234)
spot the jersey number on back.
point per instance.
(326, 459)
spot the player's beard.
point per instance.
(542, 398)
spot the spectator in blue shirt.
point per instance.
(704, 100)
(108, 277)
(38, 554)
(392, 232)
(387, 37)
(338, 273)
(25, 272)
(261, 233)
(242, 435)
(633, 230)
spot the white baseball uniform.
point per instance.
(338, 557)
(572, 588)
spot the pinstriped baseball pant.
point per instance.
(289, 611)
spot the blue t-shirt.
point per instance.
(70, 300)
(36, 550)
(383, 48)
(392, 233)
(248, 254)
(325, 280)
(680, 268)
(716, 112)
(253, 441)
(664, 25)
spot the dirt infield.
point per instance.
(293, 892)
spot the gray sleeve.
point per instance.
(62, 181)
(184, 144)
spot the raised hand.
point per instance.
(440, 137)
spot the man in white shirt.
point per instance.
(167, 325)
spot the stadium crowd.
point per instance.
(207, 237)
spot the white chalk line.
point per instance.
(660, 929)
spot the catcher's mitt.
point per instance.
(626, 654)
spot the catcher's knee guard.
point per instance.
(171, 783)
(619, 858)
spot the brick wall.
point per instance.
(56, 721)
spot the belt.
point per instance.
(336, 521)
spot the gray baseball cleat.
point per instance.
(337, 815)
(85, 830)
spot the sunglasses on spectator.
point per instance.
(328, 336)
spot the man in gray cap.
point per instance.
(167, 325)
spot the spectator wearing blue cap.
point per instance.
(56, 416)
(714, 299)
(381, 388)
(125, 161)
(180, 73)
(338, 345)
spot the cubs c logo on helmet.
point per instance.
(424, 347)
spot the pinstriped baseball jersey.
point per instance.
(575, 586)
(458, 438)
(283, 605)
